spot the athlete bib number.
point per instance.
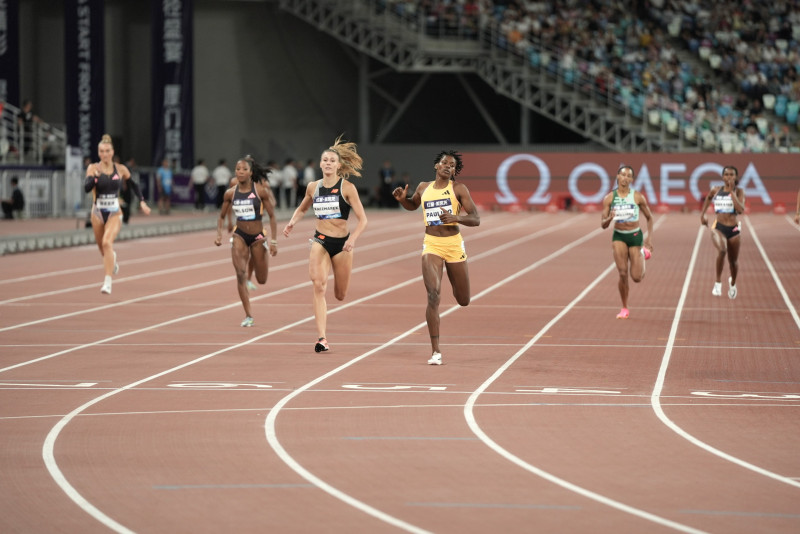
(108, 203)
(434, 209)
(624, 212)
(244, 212)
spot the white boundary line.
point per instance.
(48, 448)
(469, 415)
(655, 398)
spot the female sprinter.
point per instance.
(249, 199)
(445, 204)
(104, 179)
(623, 206)
(728, 201)
(332, 197)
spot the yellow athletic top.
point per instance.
(434, 201)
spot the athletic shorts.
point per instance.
(450, 248)
(105, 214)
(634, 238)
(727, 231)
(332, 245)
(249, 239)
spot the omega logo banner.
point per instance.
(531, 180)
(84, 74)
(173, 125)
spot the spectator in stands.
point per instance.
(14, 203)
(164, 184)
(288, 183)
(386, 185)
(27, 119)
(200, 177)
(309, 175)
(222, 178)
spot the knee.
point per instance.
(340, 294)
(463, 300)
(261, 279)
(433, 298)
(319, 286)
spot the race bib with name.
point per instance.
(434, 208)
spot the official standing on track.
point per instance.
(624, 205)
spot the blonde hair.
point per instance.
(348, 157)
(106, 139)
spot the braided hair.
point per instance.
(259, 172)
(456, 156)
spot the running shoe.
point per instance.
(623, 314)
(717, 291)
(116, 265)
(322, 345)
(732, 291)
(251, 286)
(646, 253)
(248, 322)
(106, 289)
(436, 359)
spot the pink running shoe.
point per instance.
(646, 252)
(623, 313)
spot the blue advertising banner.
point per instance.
(84, 75)
(9, 52)
(173, 117)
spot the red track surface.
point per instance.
(151, 410)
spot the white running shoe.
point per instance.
(106, 289)
(436, 359)
(248, 321)
(251, 286)
(116, 265)
(732, 291)
(717, 291)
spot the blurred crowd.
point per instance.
(735, 90)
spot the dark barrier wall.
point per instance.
(531, 180)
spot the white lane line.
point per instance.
(469, 415)
(774, 273)
(162, 272)
(655, 398)
(270, 422)
(48, 448)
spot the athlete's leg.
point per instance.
(259, 261)
(319, 266)
(458, 274)
(733, 257)
(432, 266)
(621, 260)
(239, 254)
(637, 263)
(721, 244)
(112, 228)
(342, 268)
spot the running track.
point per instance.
(151, 410)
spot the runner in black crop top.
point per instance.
(103, 180)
